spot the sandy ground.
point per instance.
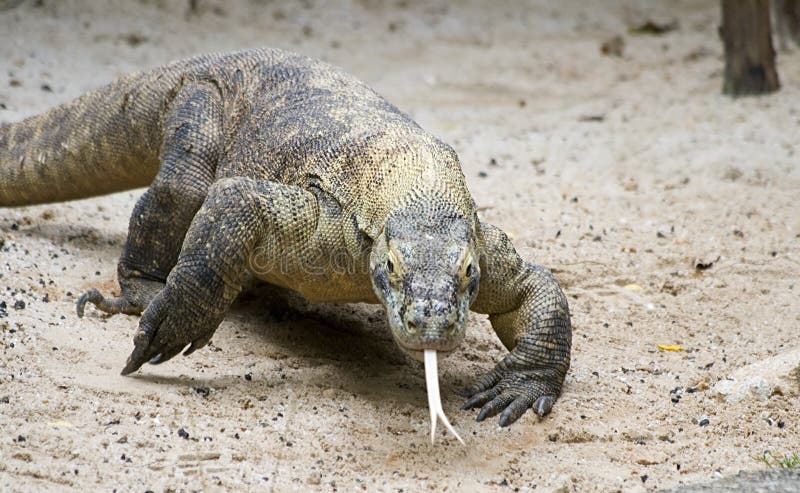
(619, 173)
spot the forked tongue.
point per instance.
(434, 400)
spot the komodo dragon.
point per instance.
(283, 166)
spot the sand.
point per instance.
(621, 174)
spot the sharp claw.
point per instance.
(89, 296)
(197, 344)
(130, 367)
(481, 398)
(495, 406)
(189, 350)
(471, 403)
(513, 412)
(141, 341)
(544, 405)
(485, 412)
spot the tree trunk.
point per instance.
(749, 55)
(787, 21)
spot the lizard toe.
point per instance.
(481, 398)
(167, 354)
(197, 344)
(516, 409)
(494, 406)
(108, 305)
(485, 382)
(544, 405)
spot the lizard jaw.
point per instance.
(434, 398)
(419, 354)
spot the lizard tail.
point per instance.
(105, 141)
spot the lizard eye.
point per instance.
(467, 272)
(393, 264)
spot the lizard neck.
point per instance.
(422, 180)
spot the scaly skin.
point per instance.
(285, 167)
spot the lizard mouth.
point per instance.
(415, 347)
(419, 354)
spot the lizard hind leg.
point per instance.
(191, 149)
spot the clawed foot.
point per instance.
(136, 295)
(108, 305)
(171, 323)
(512, 392)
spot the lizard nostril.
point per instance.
(412, 328)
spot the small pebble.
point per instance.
(613, 46)
(19, 305)
(703, 422)
(314, 478)
(183, 434)
(204, 391)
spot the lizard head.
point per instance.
(425, 272)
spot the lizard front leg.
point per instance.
(239, 218)
(530, 315)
